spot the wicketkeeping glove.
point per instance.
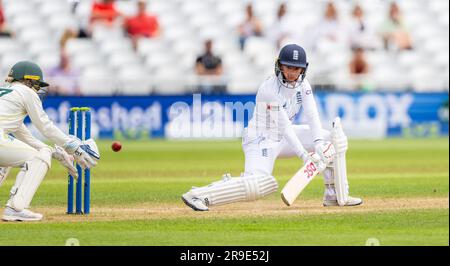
(65, 159)
(86, 153)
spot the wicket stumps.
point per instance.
(80, 126)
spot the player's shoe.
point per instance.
(9, 214)
(350, 202)
(195, 203)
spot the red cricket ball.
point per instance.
(116, 146)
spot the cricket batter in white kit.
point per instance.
(270, 134)
(18, 148)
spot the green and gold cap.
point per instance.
(27, 70)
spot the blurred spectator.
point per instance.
(252, 26)
(68, 34)
(360, 33)
(81, 30)
(209, 69)
(76, 33)
(280, 29)
(63, 79)
(3, 28)
(359, 68)
(104, 12)
(142, 25)
(358, 64)
(394, 32)
(330, 27)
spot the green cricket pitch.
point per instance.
(136, 199)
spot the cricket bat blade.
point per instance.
(298, 182)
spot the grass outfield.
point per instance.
(136, 199)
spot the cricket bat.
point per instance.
(298, 182)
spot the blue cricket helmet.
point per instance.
(291, 55)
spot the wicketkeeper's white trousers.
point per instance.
(34, 166)
(13, 152)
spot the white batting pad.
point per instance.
(236, 189)
(340, 168)
(35, 171)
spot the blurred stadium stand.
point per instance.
(109, 65)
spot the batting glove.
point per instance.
(326, 151)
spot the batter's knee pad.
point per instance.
(339, 140)
(235, 189)
(257, 187)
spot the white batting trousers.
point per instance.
(257, 181)
(261, 153)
